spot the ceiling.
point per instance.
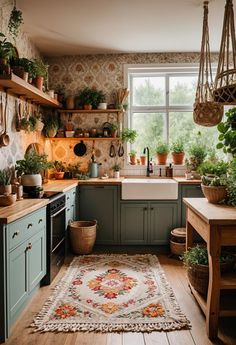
(72, 27)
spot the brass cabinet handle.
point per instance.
(16, 234)
(29, 225)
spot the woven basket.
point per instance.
(225, 93)
(178, 235)
(198, 275)
(177, 248)
(214, 194)
(82, 236)
(208, 114)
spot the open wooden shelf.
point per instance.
(16, 85)
(84, 139)
(93, 111)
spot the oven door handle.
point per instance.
(58, 212)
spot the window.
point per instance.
(161, 106)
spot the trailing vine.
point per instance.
(16, 19)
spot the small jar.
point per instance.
(70, 102)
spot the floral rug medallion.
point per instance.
(108, 293)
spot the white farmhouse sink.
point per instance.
(144, 188)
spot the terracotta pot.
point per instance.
(5, 189)
(59, 175)
(38, 82)
(132, 160)
(114, 133)
(162, 158)
(143, 160)
(88, 107)
(178, 158)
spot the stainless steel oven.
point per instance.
(56, 226)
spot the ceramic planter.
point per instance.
(31, 180)
(178, 158)
(162, 158)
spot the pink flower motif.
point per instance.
(89, 301)
(110, 295)
(113, 271)
(77, 282)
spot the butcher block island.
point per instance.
(216, 224)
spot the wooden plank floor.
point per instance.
(22, 334)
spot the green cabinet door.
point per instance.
(71, 205)
(163, 218)
(189, 191)
(36, 259)
(101, 203)
(134, 223)
(17, 280)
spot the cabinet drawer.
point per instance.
(25, 227)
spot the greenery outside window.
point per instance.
(161, 105)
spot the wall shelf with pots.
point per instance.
(20, 87)
(80, 138)
(93, 111)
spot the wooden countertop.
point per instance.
(59, 185)
(212, 213)
(182, 180)
(20, 209)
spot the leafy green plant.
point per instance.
(216, 181)
(33, 163)
(51, 123)
(16, 19)
(39, 69)
(177, 146)
(90, 96)
(197, 154)
(231, 183)
(28, 125)
(74, 169)
(162, 148)
(26, 64)
(59, 166)
(227, 136)
(7, 50)
(5, 176)
(114, 126)
(132, 153)
(198, 256)
(116, 167)
(214, 168)
(129, 135)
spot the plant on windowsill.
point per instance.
(162, 150)
(197, 153)
(132, 156)
(177, 151)
(129, 135)
(196, 262)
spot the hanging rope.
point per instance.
(206, 111)
(225, 82)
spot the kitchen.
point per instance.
(111, 69)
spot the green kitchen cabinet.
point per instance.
(147, 222)
(71, 204)
(100, 202)
(23, 265)
(189, 191)
(134, 223)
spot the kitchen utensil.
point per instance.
(4, 137)
(18, 118)
(80, 149)
(112, 152)
(121, 150)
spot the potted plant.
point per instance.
(15, 20)
(196, 262)
(59, 170)
(30, 168)
(5, 181)
(143, 158)
(116, 170)
(197, 154)
(40, 72)
(22, 67)
(51, 125)
(227, 129)
(114, 129)
(132, 155)
(7, 51)
(177, 151)
(90, 98)
(162, 150)
(129, 135)
(72, 170)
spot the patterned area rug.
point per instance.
(110, 293)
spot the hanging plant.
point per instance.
(16, 19)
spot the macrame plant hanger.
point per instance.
(225, 82)
(206, 112)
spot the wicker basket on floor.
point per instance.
(82, 236)
(178, 241)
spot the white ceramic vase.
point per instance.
(31, 180)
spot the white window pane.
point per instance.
(151, 128)
(181, 125)
(182, 90)
(148, 91)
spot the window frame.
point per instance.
(167, 70)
